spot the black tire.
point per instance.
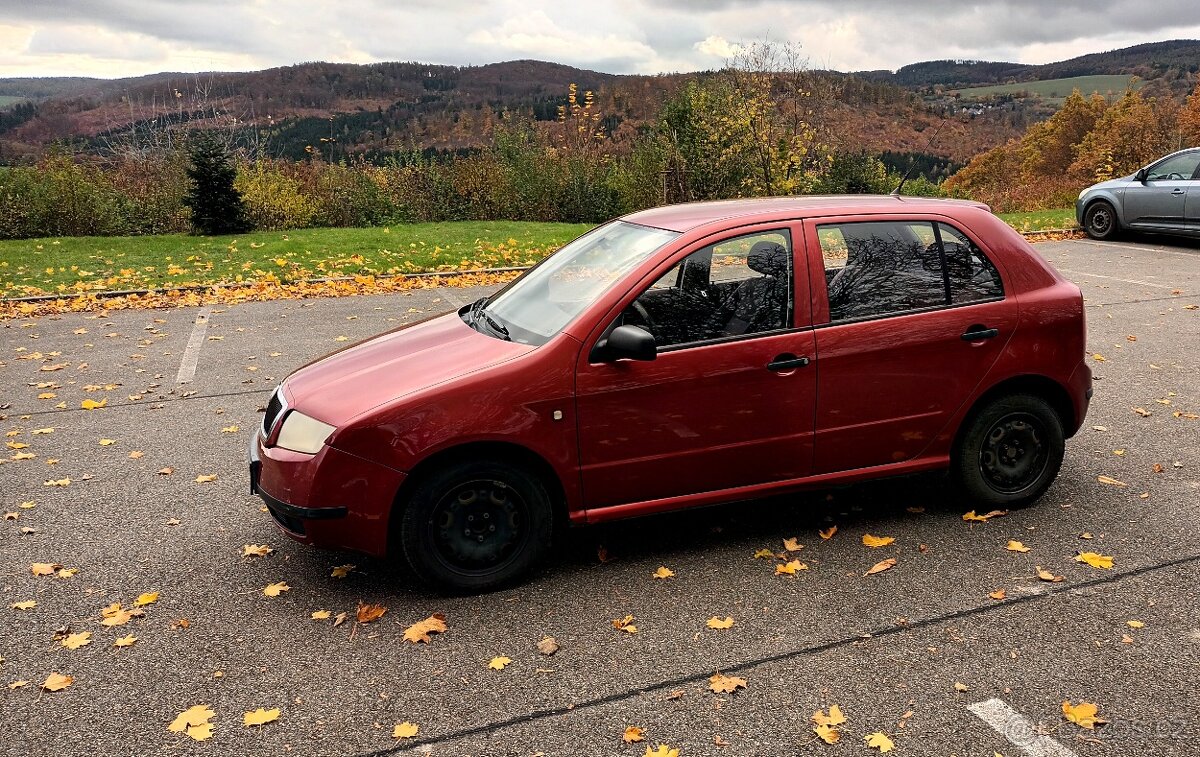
(1009, 452)
(1100, 220)
(473, 526)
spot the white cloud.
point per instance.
(715, 44)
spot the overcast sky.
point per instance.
(115, 38)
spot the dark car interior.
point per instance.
(699, 304)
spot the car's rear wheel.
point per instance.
(1010, 452)
(473, 526)
(1100, 221)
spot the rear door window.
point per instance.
(877, 269)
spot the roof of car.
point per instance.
(690, 215)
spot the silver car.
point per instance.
(1163, 197)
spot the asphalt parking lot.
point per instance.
(919, 652)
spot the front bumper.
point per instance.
(330, 499)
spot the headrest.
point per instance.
(768, 258)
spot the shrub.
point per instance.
(273, 200)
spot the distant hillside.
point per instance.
(1147, 61)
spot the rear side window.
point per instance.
(876, 269)
(971, 275)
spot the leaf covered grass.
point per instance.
(78, 265)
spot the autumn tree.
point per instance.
(1133, 131)
(1048, 147)
(1189, 120)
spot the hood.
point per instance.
(349, 382)
(1118, 183)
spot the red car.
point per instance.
(684, 356)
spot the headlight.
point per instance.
(303, 434)
(1081, 194)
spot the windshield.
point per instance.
(550, 295)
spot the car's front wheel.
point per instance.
(1100, 221)
(1009, 453)
(475, 525)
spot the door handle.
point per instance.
(1178, 191)
(979, 332)
(787, 362)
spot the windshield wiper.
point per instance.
(477, 309)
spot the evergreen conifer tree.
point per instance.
(217, 206)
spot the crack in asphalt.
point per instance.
(499, 725)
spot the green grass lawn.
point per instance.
(1040, 220)
(1056, 90)
(6, 100)
(82, 264)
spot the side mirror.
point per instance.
(626, 343)
(1140, 176)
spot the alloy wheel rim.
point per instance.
(1014, 453)
(478, 526)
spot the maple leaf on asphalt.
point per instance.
(1016, 546)
(27, 604)
(369, 613)
(341, 571)
(1046, 575)
(44, 568)
(260, 716)
(256, 550)
(1095, 559)
(633, 734)
(971, 516)
(877, 541)
(421, 630)
(1083, 714)
(499, 663)
(789, 568)
(147, 598)
(718, 624)
(792, 544)
(125, 641)
(723, 684)
(828, 533)
(77, 640)
(405, 730)
(879, 741)
(275, 589)
(320, 615)
(764, 554)
(662, 750)
(57, 682)
(998, 594)
(625, 624)
(663, 572)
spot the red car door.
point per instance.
(910, 315)
(728, 401)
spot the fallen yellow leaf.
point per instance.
(230, 430)
(663, 572)
(880, 566)
(125, 641)
(421, 630)
(499, 663)
(723, 684)
(275, 589)
(205, 479)
(405, 730)
(1134, 623)
(1095, 559)
(44, 568)
(341, 571)
(998, 594)
(662, 750)
(1016, 546)
(880, 741)
(147, 598)
(792, 544)
(369, 613)
(625, 624)
(57, 682)
(764, 554)
(320, 615)
(828, 533)
(717, 624)
(256, 550)
(77, 640)
(107, 442)
(1083, 714)
(59, 482)
(93, 404)
(789, 568)
(834, 718)
(877, 541)
(1110, 481)
(1046, 575)
(27, 604)
(971, 516)
(633, 734)
(260, 716)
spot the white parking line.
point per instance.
(1110, 245)
(1018, 729)
(191, 355)
(1114, 278)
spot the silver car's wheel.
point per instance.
(1100, 220)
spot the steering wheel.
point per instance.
(642, 314)
(1174, 177)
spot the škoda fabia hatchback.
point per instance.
(679, 357)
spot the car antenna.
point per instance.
(911, 162)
